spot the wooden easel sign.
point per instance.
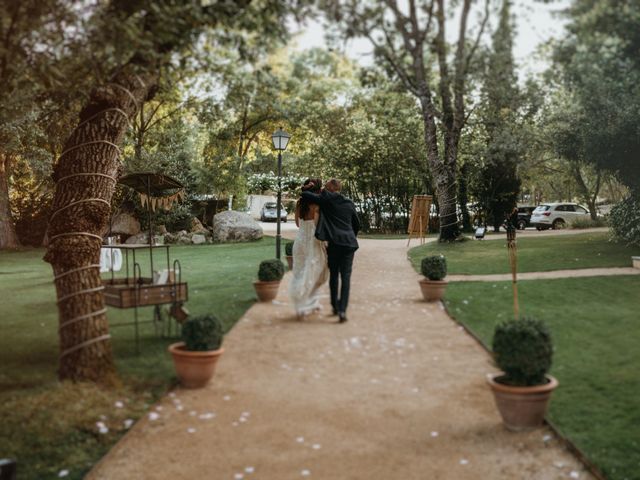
(419, 221)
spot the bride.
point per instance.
(309, 256)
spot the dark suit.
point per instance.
(338, 225)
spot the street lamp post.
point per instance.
(280, 140)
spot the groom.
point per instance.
(338, 225)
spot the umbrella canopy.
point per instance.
(148, 182)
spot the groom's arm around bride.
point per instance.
(339, 226)
(339, 223)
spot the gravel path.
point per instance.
(398, 392)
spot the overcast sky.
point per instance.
(535, 24)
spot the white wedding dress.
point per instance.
(310, 269)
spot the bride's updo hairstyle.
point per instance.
(313, 185)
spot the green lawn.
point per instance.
(594, 323)
(584, 250)
(50, 426)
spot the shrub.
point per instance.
(580, 223)
(288, 249)
(624, 220)
(270, 270)
(523, 350)
(203, 333)
(176, 219)
(434, 268)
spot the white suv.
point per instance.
(556, 215)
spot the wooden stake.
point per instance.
(513, 261)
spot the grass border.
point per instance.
(593, 469)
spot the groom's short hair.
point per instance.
(333, 185)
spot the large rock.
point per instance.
(125, 224)
(183, 238)
(198, 239)
(139, 239)
(233, 226)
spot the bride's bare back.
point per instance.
(312, 213)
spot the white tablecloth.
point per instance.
(110, 258)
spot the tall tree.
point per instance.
(300, 94)
(375, 152)
(145, 37)
(411, 40)
(236, 123)
(569, 140)
(32, 37)
(600, 64)
(497, 184)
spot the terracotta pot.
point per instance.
(194, 369)
(266, 291)
(433, 290)
(290, 261)
(522, 408)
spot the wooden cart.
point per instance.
(135, 290)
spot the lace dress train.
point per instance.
(310, 269)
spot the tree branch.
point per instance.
(259, 121)
(445, 81)
(401, 25)
(391, 56)
(182, 106)
(249, 142)
(146, 125)
(474, 47)
(460, 73)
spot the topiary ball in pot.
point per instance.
(434, 270)
(523, 351)
(270, 270)
(288, 249)
(196, 357)
(202, 333)
(270, 273)
(434, 267)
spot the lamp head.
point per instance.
(280, 139)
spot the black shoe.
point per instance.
(335, 311)
(342, 317)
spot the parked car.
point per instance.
(524, 217)
(269, 212)
(604, 210)
(557, 215)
